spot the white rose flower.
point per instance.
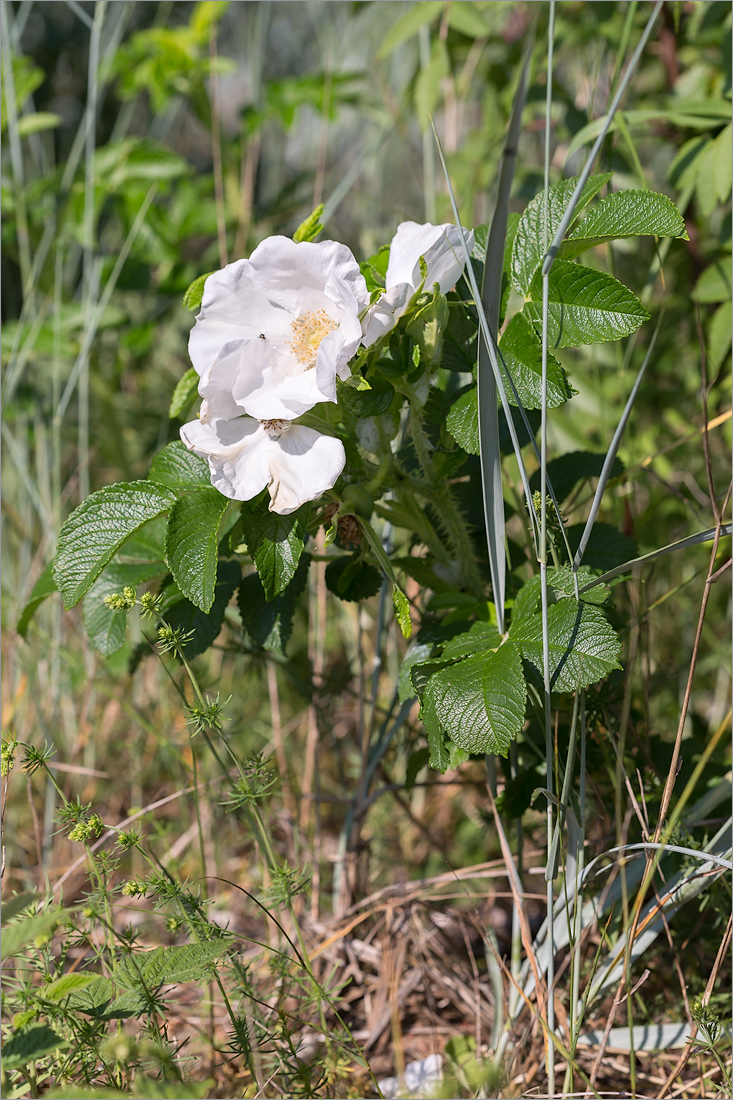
(276, 330)
(441, 247)
(245, 456)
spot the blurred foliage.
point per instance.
(330, 102)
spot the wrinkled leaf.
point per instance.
(583, 646)
(351, 578)
(275, 543)
(99, 527)
(462, 421)
(479, 637)
(192, 543)
(521, 349)
(531, 240)
(480, 701)
(585, 306)
(180, 612)
(625, 214)
(190, 962)
(106, 629)
(179, 468)
(30, 1044)
(270, 623)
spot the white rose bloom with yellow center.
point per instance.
(442, 248)
(276, 331)
(245, 456)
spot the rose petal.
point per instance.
(238, 463)
(269, 384)
(217, 382)
(303, 464)
(287, 270)
(233, 307)
(281, 283)
(439, 244)
(386, 311)
(299, 465)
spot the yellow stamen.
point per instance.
(275, 428)
(308, 331)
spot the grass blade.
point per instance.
(488, 406)
(613, 450)
(628, 566)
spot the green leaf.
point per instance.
(399, 599)
(462, 421)
(402, 610)
(180, 612)
(94, 997)
(427, 327)
(106, 629)
(459, 340)
(136, 160)
(39, 120)
(178, 468)
(30, 1044)
(98, 528)
(466, 18)
(147, 544)
(373, 401)
(685, 168)
(309, 229)
(66, 985)
(607, 546)
(560, 583)
(409, 24)
(416, 655)
(12, 906)
(22, 933)
(351, 578)
(275, 543)
(566, 471)
(522, 351)
(531, 242)
(719, 336)
(479, 637)
(583, 646)
(585, 306)
(714, 177)
(374, 269)
(270, 623)
(480, 702)
(192, 543)
(416, 761)
(625, 214)
(191, 962)
(714, 285)
(45, 586)
(439, 754)
(26, 77)
(193, 297)
(184, 393)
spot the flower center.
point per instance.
(275, 428)
(308, 331)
